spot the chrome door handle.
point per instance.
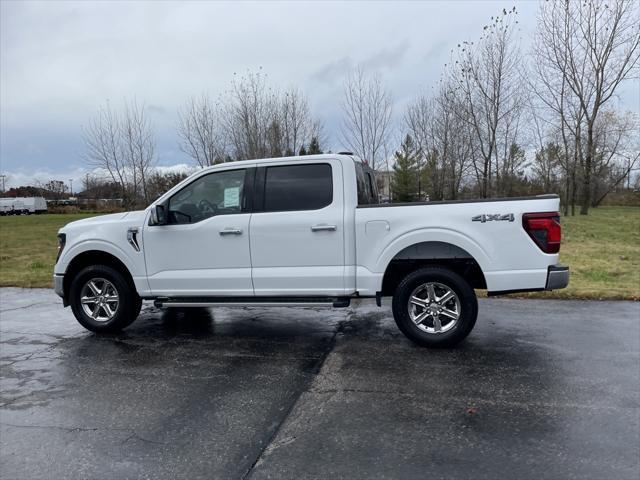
(231, 231)
(324, 228)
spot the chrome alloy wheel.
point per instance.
(99, 299)
(434, 308)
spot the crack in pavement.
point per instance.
(29, 356)
(317, 368)
(133, 433)
(479, 400)
(27, 306)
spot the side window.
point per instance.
(361, 184)
(219, 193)
(373, 187)
(298, 187)
(366, 184)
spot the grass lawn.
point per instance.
(28, 248)
(602, 250)
(603, 253)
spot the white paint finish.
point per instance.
(350, 196)
(497, 246)
(288, 257)
(377, 228)
(368, 283)
(299, 281)
(194, 259)
(106, 233)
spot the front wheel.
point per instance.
(102, 300)
(435, 307)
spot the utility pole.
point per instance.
(3, 177)
(71, 186)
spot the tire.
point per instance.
(434, 323)
(117, 303)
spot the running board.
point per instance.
(336, 302)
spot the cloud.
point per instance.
(386, 58)
(333, 71)
(76, 176)
(60, 60)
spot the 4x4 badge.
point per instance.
(494, 217)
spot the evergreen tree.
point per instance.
(404, 185)
(303, 151)
(314, 146)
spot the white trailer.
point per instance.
(34, 205)
(20, 205)
(6, 206)
(11, 206)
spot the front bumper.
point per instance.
(557, 277)
(58, 285)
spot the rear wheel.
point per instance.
(102, 300)
(435, 307)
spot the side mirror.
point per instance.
(159, 215)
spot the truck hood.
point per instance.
(130, 218)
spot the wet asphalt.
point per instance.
(540, 389)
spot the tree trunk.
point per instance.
(586, 184)
(574, 189)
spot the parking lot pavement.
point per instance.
(541, 389)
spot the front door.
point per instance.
(204, 249)
(297, 230)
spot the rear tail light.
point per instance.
(544, 229)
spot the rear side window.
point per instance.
(372, 186)
(298, 187)
(366, 185)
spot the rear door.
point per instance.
(297, 229)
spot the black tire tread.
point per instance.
(450, 278)
(128, 309)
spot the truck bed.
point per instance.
(489, 231)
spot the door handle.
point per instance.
(324, 228)
(231, 231)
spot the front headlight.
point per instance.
(62, 240)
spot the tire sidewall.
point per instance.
(468, 305)
(127, 305)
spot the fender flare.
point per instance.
(435, 234)
(102, 246)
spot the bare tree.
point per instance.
(250, 117)
(138, 145)
(122, 145)
(295, 119)
(489, 81)
(444, 143)
(592, 47)
(260, 121)
(367, 109)
(200, 131)
(616, 152)
(102, 138)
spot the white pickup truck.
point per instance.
(308, 231)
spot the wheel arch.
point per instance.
(431, 253)
(94, 257)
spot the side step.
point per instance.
(336, 302)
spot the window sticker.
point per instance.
(231, 197)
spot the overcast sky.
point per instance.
(61, 60)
